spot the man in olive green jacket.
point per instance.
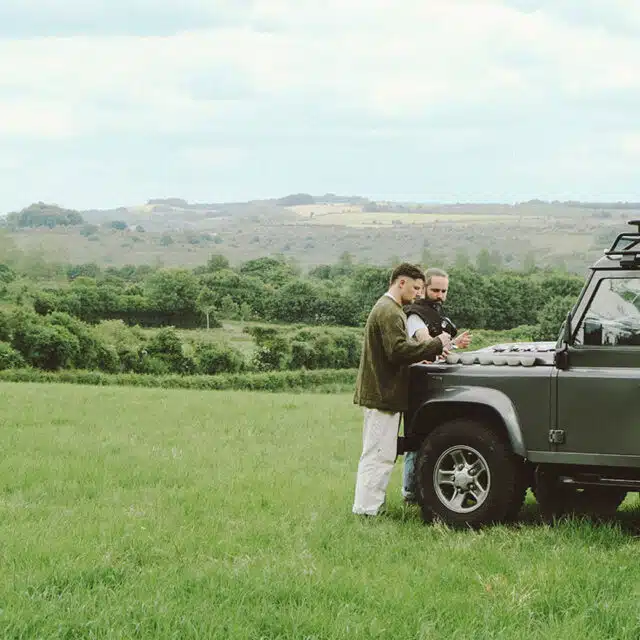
(382, 384)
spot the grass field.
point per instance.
(132, 513)
(386, 218)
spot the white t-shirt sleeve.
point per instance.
(414, 322)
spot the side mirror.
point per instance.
(562, 352)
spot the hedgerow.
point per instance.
(319, 380)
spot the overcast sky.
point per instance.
(111, 102)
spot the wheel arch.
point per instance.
(493, 409)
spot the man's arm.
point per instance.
(402, 350)
(422, 335)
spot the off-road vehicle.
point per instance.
(560, 418)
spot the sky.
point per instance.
(107, 103)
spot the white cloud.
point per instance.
(391, 59)
(248, 75)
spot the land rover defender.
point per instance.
(560, 418)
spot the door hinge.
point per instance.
(556, 436)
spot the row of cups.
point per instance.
(490, 358)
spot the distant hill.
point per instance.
(318, 229)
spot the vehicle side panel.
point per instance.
(520, 395)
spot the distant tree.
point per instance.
(488, 262)
(172, 202)
(462, 260)
(345, 265)
(295, 199)
(216, 262)
(529, 263)
(228, 308)
(40, 214)
(166, 240)
(7, 275)
(173, 291)
(206, 302)
(272, 270)
(119, 225)
(244, 312)
(89, 230)
(551, 317)
(89, 269)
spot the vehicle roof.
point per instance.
(607, 262)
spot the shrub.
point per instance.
(92, 353)
(45, 346)
(166, 347)
(215, 358)
(9, 357)
(5, 327)
(45, 302)
(273, 349)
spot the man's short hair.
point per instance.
(407, 270)
(433, 272)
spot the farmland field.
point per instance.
(150, 513)
(360, 219)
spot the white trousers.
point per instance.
(379, 450)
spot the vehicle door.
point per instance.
(598, 396)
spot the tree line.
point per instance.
(273, 289)
(89, 317)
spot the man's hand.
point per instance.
(463, 340)
(445, 338)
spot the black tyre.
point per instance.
(556, 499)
(468, 476)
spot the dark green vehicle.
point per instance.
(561, 418)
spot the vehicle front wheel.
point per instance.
(468, 476)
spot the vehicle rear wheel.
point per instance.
(468, 476)
(556, 499)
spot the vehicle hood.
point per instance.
(525, 354)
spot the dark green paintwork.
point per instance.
(595, 400)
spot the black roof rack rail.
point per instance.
(626, 244)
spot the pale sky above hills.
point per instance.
(111, 102)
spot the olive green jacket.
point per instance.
(383, 375)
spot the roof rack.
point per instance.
(625, 247)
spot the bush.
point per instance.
(215, 358)
(273, 349)
(45, 302)
(46, 346)
(92, 353)
(9, 357)
(166, 347)
(5, 327)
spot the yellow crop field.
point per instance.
(305, 210)
(362, 219)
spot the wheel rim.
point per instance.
(461, 479)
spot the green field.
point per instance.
(151, 513)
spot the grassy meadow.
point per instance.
(153, 513)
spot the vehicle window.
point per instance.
(613, 317)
